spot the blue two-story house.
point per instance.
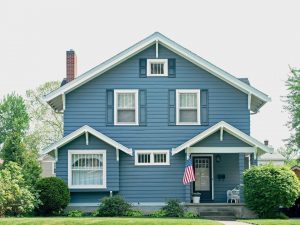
(131, 123)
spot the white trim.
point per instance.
(117, 154)
(182, 91)
(249, 101)
(136, 96)
(220, 150)
(164, 61)
(87, 138)
(156, 49)
(81, 131)
(140, 46)
(70, 152)
(64, 102)
(221, 133)
(152, 152)
(228, 128)
(53, 167)
(212, 171)
(88, 204)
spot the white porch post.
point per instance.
(241, 170)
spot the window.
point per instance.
(152, 157)
(157, 67)
(87, 168)
(188, 107)
(126, 107)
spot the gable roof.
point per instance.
(228, 128)
(275, 156)
(56, 98)
(86, 129)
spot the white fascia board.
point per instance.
(228, 128)
(138, 47)
(81, 131)
(220, 150)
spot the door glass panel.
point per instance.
(202, 172)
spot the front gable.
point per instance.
(255, 98)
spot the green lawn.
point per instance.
(103, 221)
(272, 222)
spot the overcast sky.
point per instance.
(254, 39)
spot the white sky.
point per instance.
(254, 39)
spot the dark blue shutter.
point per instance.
(143, 67)
(109, 107)
(172, 107)
(172, 67)
(143, 107)
(204, 107)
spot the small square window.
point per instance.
(152, 157)
(157, 67)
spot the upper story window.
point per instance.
(126, 107)
(152, 157)
(157, 67)
(87, 168)
(188, 107)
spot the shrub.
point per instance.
(173, 209)
(189, 214)
(158, 214)
(134, 213)
(75, 213)
(54, 195)
(268, 187)
(113, 206)
(15, 197)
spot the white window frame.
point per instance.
(164, 61)
(182, 91)
(152, 152)
(70, 152)
(120, 91)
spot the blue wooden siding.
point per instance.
(86, 105)
(214, 141)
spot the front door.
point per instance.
(202, 184)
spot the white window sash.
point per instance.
(152, 152)
(178, 108)
(70, 169)
(160, 61)
(136, 108)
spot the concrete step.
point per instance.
(217, 213)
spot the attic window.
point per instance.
(152, 157)
(157, 67)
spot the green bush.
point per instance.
(54, 195)
(173, 209)
(75, 213)
(134, 213)
(268, 187)
(189, 214)
(113, 206)
(158, 214)
(15, 196)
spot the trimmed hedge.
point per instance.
(113, 206)
(269, 187)
(54, 195)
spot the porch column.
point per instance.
(241, 170)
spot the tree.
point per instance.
(15, 197)
(293, 107)
(46, 125)
(13, 116)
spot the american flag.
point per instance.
(189, 175)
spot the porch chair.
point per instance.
(233, 195)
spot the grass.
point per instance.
(272, 222)
(103, 221)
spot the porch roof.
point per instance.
(223, 126)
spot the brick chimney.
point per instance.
(266, 142)
(71, 65)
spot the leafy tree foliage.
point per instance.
(46, 126)
(113, 206)
(293, 107)
(268, 187)
(13, 116)
(173, 209)
(15, 197)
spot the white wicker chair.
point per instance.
(233, 195)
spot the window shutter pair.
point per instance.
(203, 107)
(110, 107)
(171, 68)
